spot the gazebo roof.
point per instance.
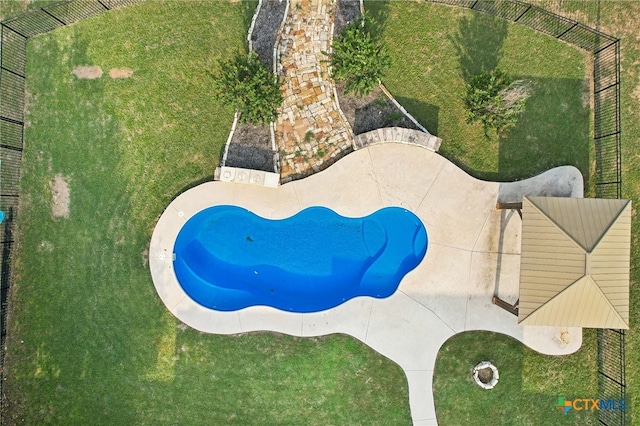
(574, 268)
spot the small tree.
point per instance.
(359, 57)
(495, 100)
(247, 86)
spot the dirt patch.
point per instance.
(88, 72)
(485, 375)
(636, 93)
(120, 73)
(145, 257)
(45, 246)
(60, 196)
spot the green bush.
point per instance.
(246, 85)
(359, 57)
(495, 100)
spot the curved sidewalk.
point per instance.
(473, 254)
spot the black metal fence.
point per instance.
(611, 376)
(606, 77)
(607, 139)
(15, 32)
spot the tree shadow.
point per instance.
(248, 10)
(379, 11)
(553, 131)
(478, 43)
(426, 114)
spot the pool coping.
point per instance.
(473, 254)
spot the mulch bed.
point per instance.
(265, 30)
(371, 112)
(345, 11)
(250, 146)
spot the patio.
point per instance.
(473, 254)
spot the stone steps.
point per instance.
(310, 129)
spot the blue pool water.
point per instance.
(227, 258)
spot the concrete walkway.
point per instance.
(473, 254)
(310, 129)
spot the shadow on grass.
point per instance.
(379, 11)
(553, 131)
(248, 10)
(426, 114)
(479, 42)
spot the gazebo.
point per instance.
(574, 268)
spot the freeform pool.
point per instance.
(227, 258)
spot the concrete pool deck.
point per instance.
(473, 254)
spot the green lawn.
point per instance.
(529, 385)
(90, 340)
(438, 45)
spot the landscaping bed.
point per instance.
(265, 29)
(250, 146)
(375, 110)
(371, 112)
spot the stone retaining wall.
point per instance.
(398, 134)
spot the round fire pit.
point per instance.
(486, 375)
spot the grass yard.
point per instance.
(529, 384)
(433, 46)
(10, 8)
(90, 341)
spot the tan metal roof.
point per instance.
(574, 268)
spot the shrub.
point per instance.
(359, 57)
(495, 100)
(246, 85)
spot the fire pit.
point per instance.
(486, 375)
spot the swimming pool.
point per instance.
(227, 258)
